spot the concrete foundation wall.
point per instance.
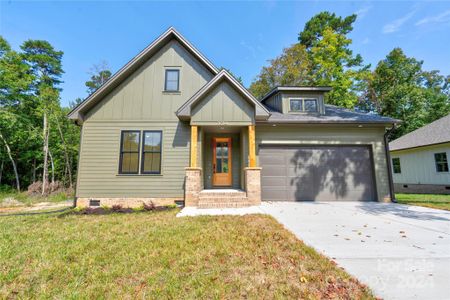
(408, 188)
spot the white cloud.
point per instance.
(396, 24)
(365, 41)
(441, 18)
(361, 13)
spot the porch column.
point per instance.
(252, 173)
(251, 146)
(193, 179)
(194, 135)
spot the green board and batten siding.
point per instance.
(223, 105)
(139, 103)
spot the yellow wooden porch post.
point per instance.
(251, 146)
(194, 134)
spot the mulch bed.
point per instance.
(122, 210)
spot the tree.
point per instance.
(45, 62)
(399, 88)
(292, 68)
(314, 28)
(100, 73)
(322, 57)
(333, 64)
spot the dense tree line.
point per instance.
(398, 87)
(38, 144)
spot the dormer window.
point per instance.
(172, 82)
(310, 105)
(303, 105)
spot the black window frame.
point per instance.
(178, 80)
(143, 151)
(394, 170)
(310, 99)
(122, 151)
(297, 100)
(443, 162)
(303, 108)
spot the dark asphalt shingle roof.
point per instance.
(434, 133)
(333, 114)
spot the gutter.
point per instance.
(388, 159)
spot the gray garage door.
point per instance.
(317, 173)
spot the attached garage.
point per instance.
(317, 173)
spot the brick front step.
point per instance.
(222, 199)
(225, 205)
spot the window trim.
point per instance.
(303, 110)
(142, 172)
(436, 162)
(165, 80)
(121, 152)
(399, 165)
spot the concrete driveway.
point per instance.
(400, 251)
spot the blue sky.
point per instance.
(240, 36)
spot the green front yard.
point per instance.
(156, 255)
(433, 201)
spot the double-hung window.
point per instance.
(129, 152)
(151, 152)
(147, 154)
(396, 165)
(441, 162)
(172, 81)
(303, 105)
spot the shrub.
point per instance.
(116, 208)
(149, 206)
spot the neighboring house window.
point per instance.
(396, 165)
(151, 152)
(303, 105)
(172, 82)
(441, 162)
(129, 152)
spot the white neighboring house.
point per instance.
(420, 159)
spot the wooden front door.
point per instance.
(221, 162)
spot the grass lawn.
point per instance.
(433, 201)
(156, 255)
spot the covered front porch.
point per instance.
(222, 171)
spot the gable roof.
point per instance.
(134, 64)
(437, 132)
(277, 89)
(184, 112)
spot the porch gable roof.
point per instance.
(184, 112)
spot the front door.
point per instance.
(221, 162)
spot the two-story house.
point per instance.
(169, 126)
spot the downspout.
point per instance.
(388, 159)
(75, 198)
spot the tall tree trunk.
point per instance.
(8, 150)
(45, 150)
(33, 179)
(52, 164)
(66, 154)
(1, 172)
